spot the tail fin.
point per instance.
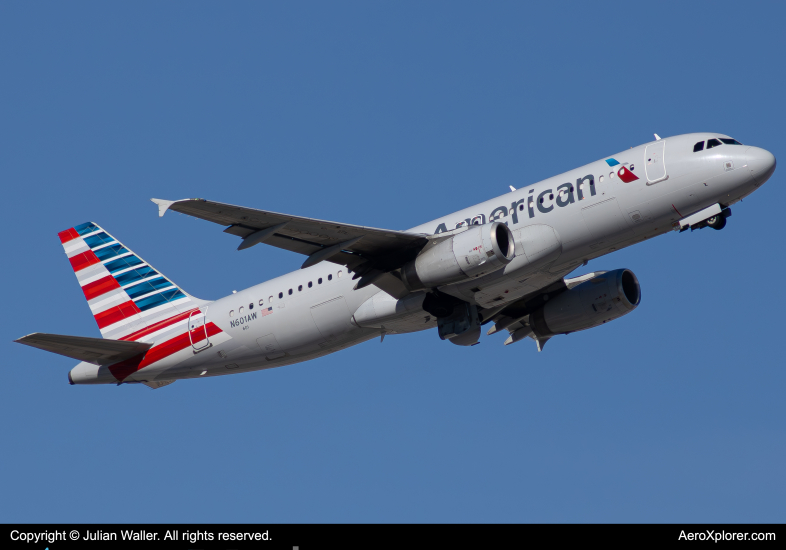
(123, 291)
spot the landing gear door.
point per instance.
(197, 331)
(655, 162)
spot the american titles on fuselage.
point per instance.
(544, 202)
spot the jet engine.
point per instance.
(477, 251)
(594, 302)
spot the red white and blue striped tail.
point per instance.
(125, 293)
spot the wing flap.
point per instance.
(98, 351)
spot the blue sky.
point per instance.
(388, 115)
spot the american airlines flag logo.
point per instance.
(626, 174)
(122, 290)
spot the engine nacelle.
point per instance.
(601, 299)
(479, 250)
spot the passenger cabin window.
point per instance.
(280, 295)
(240, 310)
(698, 147)
(290, 292)
(340, 273)
(300, 288)
(262, 301)
(330, 277)
(712, 143)
(319, 281)
(310, 284)
(730, 141)
(251, 305)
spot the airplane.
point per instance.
(504, 261)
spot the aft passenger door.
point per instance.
(197, 331)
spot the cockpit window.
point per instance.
(698, 147)
(712, 143)
(730, 141)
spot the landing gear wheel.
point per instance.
(717, 222)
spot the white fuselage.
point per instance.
(309, 313)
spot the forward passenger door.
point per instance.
(655, 162)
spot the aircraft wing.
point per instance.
(372, 253)
(98, 351)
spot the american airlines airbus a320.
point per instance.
(503, 261)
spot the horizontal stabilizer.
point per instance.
(98, 351)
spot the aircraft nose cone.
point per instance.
(761, 163)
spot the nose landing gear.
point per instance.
(717, 222)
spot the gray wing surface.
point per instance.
(366, 250)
